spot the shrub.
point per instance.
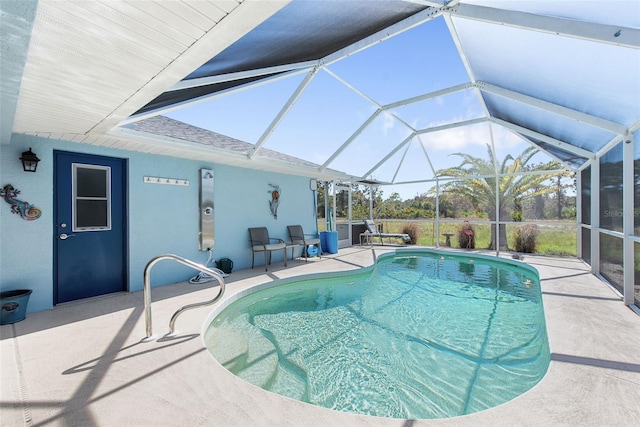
(411, 228)
(526, 238)
(466, 236)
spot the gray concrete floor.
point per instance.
(82, 363)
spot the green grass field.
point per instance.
(553, 239)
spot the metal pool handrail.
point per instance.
(147, 291)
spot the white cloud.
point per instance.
(457, 139)
(388, 123)
(504, 138)
(466, 137)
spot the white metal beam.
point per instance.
(602, 33)
(452, 125)
(586, 164)
(384, 34)
(604, 150)
(456, 40)
(595, 218)
(350, 139)
(366, 97)
(426, 155)
(497, 182)
(283, 112)
(628, 218)
(579, 116)
(581, 152)
(244, 18)
(205, 81)
(404, 155)
(463, 178)
(208, 97)
(547, 152)
(388, 156)
(437, 236)
(544, 150)
(579, 214)
(465, 61)
(352, 87)
(427, 96)
(425, 3)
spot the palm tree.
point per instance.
(512, 187)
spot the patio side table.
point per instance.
(366, 238)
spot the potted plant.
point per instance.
(13, 305)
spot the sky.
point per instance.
(419, 61)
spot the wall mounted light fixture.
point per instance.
(29, 161)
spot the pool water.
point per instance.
(420, 335)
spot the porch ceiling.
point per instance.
(560, 75)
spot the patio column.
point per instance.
(628, 218)
(498, 216)
(595, 216)
(437, 213)
(578, 176)
(371, 202)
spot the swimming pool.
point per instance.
(419, 335)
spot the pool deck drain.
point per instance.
(83, 364)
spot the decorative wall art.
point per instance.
(275, 200)
(24, 209)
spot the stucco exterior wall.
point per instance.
(162, 218)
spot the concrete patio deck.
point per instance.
(82, 363)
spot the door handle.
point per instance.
(64, 236)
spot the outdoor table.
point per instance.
(366, 238)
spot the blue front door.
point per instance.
(90, 226)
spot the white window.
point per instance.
(91, 197)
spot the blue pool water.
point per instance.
(420, 335)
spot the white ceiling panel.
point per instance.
(624, 13)
(88, 60)
(575, 73)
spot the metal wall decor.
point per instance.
(166, 181)
(275, 200)
(24, 209)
